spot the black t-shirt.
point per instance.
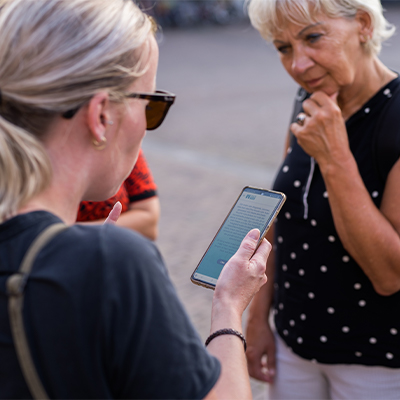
(102, 317)
(326, 308)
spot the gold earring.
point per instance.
(365, 38)
(99, 145)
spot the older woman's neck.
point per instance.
(372, 76)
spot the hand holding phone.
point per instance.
(254, 208)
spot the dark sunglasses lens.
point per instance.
(155, 113)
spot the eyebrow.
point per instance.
(300, 33)
(308, 27)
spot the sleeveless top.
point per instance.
(325, 307)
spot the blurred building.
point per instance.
(188, 13)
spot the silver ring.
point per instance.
(300, 119)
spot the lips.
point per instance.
(314, 82)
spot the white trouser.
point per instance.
(297, 378)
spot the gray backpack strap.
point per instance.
(15, 289)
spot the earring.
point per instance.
(365, 38)
(110, 122)
(99, 145)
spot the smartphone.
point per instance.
(254, 208)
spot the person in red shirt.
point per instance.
(139, 201)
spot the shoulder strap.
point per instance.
(15, 289)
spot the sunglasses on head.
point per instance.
(156, 110)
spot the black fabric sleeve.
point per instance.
(155, 351)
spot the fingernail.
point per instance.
(254, 234)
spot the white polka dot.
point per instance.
(362, 303)
(280, 239)
(301, 272)
(311, 295)
(323, 339)
(289, 150)
(284, 267)
(386, 91)
(372, 340)
(358, 354)
(285, 332)
(389, 356)
(331, 310)
(287, 215)
(296, 184)
(292, 323)
(367, 110)
(357, 286)
(375, 194)
(285, 169)
(303, 317)
(299, 340)
(346, 259)
(323, 268)
(280, 306)
(287, 285)
(331, 238)
(345, 329)
(393, 331)
(306, 246)
(292, 256)
(325, 194)
(313, 222)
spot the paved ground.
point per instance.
(225, 131)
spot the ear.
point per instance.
(98, 115)
(365, 25)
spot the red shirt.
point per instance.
(139, 185)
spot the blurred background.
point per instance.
(226, 129)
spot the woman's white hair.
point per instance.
(267, 15)
(54, 56)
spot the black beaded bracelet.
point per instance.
(227, 332)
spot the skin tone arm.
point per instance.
(260, 338)
(240, 279)
(370, 235)
(142, 217)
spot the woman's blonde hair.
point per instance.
(54, 56)
(266, 16)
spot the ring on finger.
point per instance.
(300, 119)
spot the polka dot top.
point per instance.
(325, 307)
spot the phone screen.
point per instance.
(255, 208)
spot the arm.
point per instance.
(260, 338)
(370, 235)
(240, 279)
(142, 217)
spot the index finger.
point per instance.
(322, 99)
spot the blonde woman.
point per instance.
(100, 317)
(335, 296)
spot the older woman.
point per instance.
(335, 294)
(101, 319)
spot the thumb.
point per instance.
(248, 244)
(114, 214)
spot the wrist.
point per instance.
(225, 317)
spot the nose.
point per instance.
(301, 62)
